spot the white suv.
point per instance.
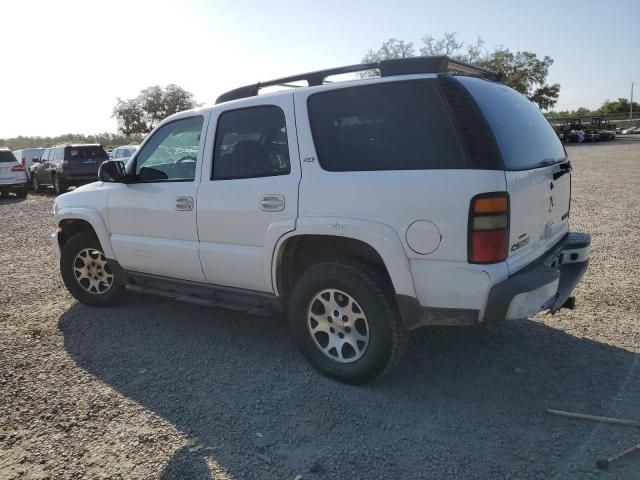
(13, 177)
(430, 195)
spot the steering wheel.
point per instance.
(181, 160)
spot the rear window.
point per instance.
(525, 137)
(7, 156)
(85, 153)
(386, 126)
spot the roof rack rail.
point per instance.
(387, 68)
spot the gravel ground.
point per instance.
(155, 389)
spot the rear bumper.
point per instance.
(12, 184)
(545, 284)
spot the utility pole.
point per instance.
(631, 103)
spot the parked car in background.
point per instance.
(12, 175)
(28, 157)
(630, 130)
(124, 152)
(68, 165)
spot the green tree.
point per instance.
(619, 106)
(140, 114)
(523, 71)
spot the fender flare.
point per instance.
(93, 218)
(381, 237)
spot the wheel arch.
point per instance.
(319, 239)
(72, 221)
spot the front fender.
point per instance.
(92, 217)
(381, 237)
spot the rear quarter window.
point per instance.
(386, 126)
(525, 137)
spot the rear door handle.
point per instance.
(272, 202)
(184, 204)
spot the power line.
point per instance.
(597, 95)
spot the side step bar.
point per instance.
(240, 300)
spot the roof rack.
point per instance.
(387, 68)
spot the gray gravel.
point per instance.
(155, 389)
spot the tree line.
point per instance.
(608, 106)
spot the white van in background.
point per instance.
(28, 157)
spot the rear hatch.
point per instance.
(7, 163)
(84, 161)
(537, 172)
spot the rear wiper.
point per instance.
(564, 168)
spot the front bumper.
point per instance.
(545, 284)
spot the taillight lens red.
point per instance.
(489, 228)
(17, 168)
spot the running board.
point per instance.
(247, 301)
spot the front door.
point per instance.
(153, 221)
(248, 197)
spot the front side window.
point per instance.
(386, 126)
(251, 142)
(171, 153)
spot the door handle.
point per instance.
(272, 202)
(184, 204)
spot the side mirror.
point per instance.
(35, 160)
(112, 171)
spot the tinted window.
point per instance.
(171, 153)
(525, 137)
(85, 153)
(251, 142)
(7, 156)
(58, 153)
(386, 126)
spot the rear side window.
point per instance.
(386, 126)
(85, 153)
(525, 137)
(251, 142)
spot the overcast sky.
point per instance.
(65, 62)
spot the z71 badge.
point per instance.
(520, 244)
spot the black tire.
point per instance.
(387, 335)
(58, 185)
(21, 192)
(68, 258)
(36, 184)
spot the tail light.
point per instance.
(17, 168)
(488, 228)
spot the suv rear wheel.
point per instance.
(58, 185)
(86, 272)
(345, 322)
(36, 184)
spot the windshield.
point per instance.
(525, 137)
(7, 156)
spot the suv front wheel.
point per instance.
(345, 321)
(87, 274)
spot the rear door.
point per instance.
(537, 172)
(248, 197)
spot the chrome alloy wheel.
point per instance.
(92, 272)
(338, 325)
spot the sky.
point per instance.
(68, 61)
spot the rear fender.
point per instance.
(379, 236)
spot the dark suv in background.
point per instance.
(68, 165)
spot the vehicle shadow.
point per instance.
(464, 403)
